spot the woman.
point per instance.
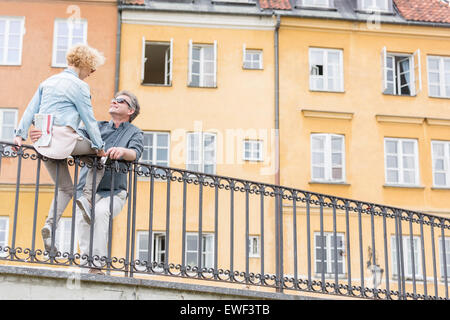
(67, 98)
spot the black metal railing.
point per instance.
(188, 224)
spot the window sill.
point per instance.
(10, 64)
(329, 91)
(155, 85)
(400, 95)
(260, 69)
(439, 97)
(403, 186)
(191, 86)
(253, 160)
(440, 188)
(330, 276)
(330, 182)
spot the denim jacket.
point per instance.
(68, 98)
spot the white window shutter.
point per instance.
(190, 63)
(384, 68)
(417, 72)
(171, 62)
(215, 63)
(144, 59)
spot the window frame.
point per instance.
(245, 50)
(56, 64)
(6, 240)
(8, 20)
(328, 155)
(2, 111)
(388, 7)
(252, 253)
(201, 152)
(329, 253)
(252, 143)
(400, 166)
(329, 5)
(407, 263)
(442, 73)
(155, 147)
(156, 251)
(446, 162)
(209, 237)
(340, 70)
(168, 74)
(441, 256)
(201, 61)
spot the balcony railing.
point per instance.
(186, 224)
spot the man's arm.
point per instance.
(132, 152)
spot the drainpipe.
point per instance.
(277, 103)
(118, 40)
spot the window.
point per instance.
(67, 34)
(407, 261)
(254, 246)
(8, 120)
(325, 253)
(440, 154)
(201, 152)
(158, 250)
(327, 157)
(156, 150)
(439, 77)
(157, 62)
(253, 59)
(401, 73)
(375, 5)
(401, 161)
(202, 65)
(4, 229)
(11, 38)
(207, 250)
(316, 3)
(326, 70)
(447, 256)
(253, 150)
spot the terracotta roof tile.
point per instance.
(275, 4)
(424, 10)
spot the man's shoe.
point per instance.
(46, 232)
(85, 207)
(96, 271)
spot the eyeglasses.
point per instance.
(121, 100)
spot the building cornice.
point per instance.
(204, 20)
(338, 115)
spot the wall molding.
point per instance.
(339, 115)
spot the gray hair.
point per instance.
(134, 102)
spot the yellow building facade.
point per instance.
(319, 104)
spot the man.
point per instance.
(123, 141)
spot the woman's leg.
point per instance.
(65, 190)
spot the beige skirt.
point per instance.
(63, 142)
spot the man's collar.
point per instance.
(122, 124)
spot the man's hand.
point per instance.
(117, 153)
(35, 134)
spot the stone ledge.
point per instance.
(169, 288)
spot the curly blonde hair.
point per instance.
(84, 56)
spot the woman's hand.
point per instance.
(35, 134)
(101, 153)
(18, 142)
